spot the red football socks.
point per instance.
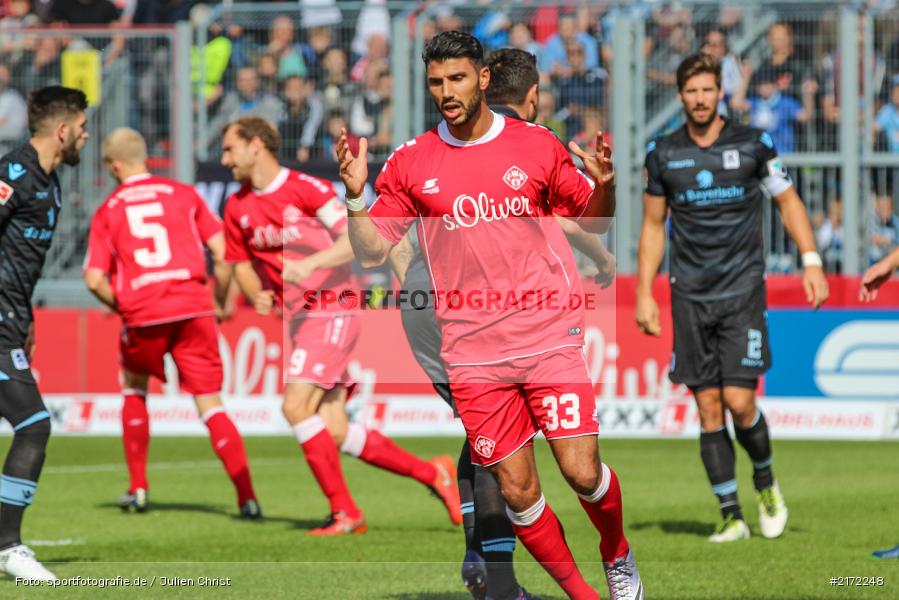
(540, 531)
(604, 510)
(321, 454)
(136, 437)
(228, 445)
(370, 446)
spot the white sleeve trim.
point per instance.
(776, 185)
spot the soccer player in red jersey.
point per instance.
(146, 262)
(286, 225)
(482, 190)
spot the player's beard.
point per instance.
(469, 109)
(713, 114)
(71, 153)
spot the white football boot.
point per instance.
(624, 578)
(19, 561)
(773, 512)
(730, 530)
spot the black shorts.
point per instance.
(425, 340)
(20, 401)
(720, 342)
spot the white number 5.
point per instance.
(570, 403)
(162, 253)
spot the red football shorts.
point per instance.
(320, 349)
(504, 405)
(193, 344)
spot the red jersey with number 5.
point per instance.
(148, 236)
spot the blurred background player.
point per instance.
(710, 174)
(499, 361)
(285, 226)
(146, 262)
(30, 203)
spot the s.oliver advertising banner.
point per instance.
(847, 356)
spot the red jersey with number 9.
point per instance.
(148, 236)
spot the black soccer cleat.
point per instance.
(474, 575)
(250, 510)
(138, 501)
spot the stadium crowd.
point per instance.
(317, 70)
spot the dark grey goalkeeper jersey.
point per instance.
(715, 197)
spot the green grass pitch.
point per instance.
(843, 500)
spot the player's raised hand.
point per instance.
(598, 165)
(263, 302)
(606, 268)
(876, 275)
(648, 315)
(353, 169)
(815, 284)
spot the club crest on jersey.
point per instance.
(16, 170)
(484, 446)
(430, 187)
(6, 192)
(245, 222)
(292, 214)
(730, 159)
(515, 178)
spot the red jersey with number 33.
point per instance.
(148, 236)
(296, 216)
(487, 231)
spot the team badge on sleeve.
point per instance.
(6, 192)
(776, 168)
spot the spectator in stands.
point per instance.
(591, 121)
(776, 112)
(887, 120)
(13, 114)
(15, 46)
(42, 67)
(336, 124)
(448, 20)
(583, 88)
(717, 46)
(789, 70)
(547, 116)
(247, 99)
(85, 12)
(883, 229)
(303, 117)
(367, 112)
(281, 44)
(829, 237)
(319, 40)
(373, 19)
(335, 78)
(492, 29)
(378, 52)
(267, 70)
(553, 58)
(667, 54)
(520, 37)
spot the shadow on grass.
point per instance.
(430, 596)
(697, 528)
(218, 510)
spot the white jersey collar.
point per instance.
(499, 122)
(276, 183)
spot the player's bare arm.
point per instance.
(797, 224)
(339, 253)
(878, 274)
(593, 248)
(221, 269)
(263, 300)
(597, 217)
(650, 252)
(369, 247)
(30, 344)
(400, 257)
(98, 284)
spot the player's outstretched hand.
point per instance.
(606, 268)
(296, 271)
(874, 277)
(815, 284)
(648, 316)
(263, 302)
(353, 169)
(599, 165)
